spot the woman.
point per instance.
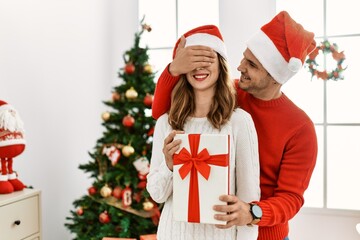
(203, 101)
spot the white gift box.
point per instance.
(193, 195)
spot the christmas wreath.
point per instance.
(326, 47)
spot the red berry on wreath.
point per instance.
(128, 121)
(129, 68)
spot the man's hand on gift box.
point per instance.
(170, 147)
(235, 213)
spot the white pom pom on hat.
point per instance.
(295, 64)
(282, 46)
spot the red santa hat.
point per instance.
(11, 126)
(207, 35)
(282, 46)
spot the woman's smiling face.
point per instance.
(202, 79)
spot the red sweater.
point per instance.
(287, 150)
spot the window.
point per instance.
(169, 19)
(332, 105)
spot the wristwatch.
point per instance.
(256, 213)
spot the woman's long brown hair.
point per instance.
(223, 103)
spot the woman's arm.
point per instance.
(159, 179)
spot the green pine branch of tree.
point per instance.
(117, 203)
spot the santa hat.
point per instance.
(282, 46)
(11, 126)
(207, 35)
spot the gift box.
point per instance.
(200, 176)
(148, 237)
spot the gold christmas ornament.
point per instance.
(105, 116)
(148, 68)
(147, 205)
(131, 93)
(105, 191)
(127, 150)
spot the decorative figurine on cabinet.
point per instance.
(12, 144)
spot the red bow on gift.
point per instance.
(194, 163)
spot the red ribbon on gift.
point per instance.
(194, 163)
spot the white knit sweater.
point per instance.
(244, 177)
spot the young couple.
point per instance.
(273, 142)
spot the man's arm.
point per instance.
(185, 60)
(294, 177)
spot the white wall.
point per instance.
(58, 62)
(314, 224)
(239, 20)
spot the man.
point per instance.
(287, 138)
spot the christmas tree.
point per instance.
(117, 203)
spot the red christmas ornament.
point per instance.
(150, 132)
(118, 229)
(92, 190)
(104, 217)
(156, 215)
(137, 197)
(142, 185)
(116, 96)
(126, 197)
(142, 177)
(128, 121)
(148, 100)
(129, 68)
(117, 192)
(80, 211)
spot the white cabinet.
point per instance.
(20, 215)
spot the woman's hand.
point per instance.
(170, 147)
